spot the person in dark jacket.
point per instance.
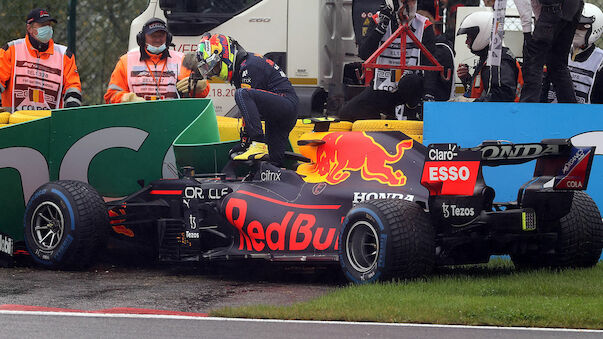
(444, 51)
(392, 93)
(549, 45)
(488, 83)
(586, 60)
(263, 93)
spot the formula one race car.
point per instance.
(378, 203)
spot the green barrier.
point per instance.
(113, 147)
(205, 158)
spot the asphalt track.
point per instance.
(174, 301)
(174, 288)
(84, 325)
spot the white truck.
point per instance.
(313, 40)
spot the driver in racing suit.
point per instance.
(263, 92)
(391, 94)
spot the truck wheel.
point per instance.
(66, 224)
(384, 239)
(579, 236)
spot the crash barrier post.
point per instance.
(115, 148)
(468, 124)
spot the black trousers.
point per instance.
(370, 103)
(279, 111)
(550, 45)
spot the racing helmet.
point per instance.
(478, 27)
(216, 55)
(591, 20)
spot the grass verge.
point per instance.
(494, 294)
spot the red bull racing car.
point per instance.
(378, 203)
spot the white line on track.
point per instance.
(180, 317)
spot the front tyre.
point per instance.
(65, 224)
(385, 239)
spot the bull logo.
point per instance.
(344, 152)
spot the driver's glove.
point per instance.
(188, 85)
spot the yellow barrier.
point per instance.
(301, 129)
(34, 113)
(413, 129)
(4, 117)
(16, 118)
(229, 128)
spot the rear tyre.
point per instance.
(385, 239)
(579, 243)
(579, 238)
(66, 224)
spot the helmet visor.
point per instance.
(208, 67)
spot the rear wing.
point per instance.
(451, 170)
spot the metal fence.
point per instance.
(102, 31)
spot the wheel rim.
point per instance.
(47, 226)
(362, 246)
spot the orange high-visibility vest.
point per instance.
(154, 82)
(37, 86)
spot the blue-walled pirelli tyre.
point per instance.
(385, 239)
(66, 225)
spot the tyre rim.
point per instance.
(362, 246)
(47, 225)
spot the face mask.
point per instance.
(155, 50)
(579, 39)
(44, 34)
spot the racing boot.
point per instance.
(256, 151)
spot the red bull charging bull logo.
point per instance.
(346, 152)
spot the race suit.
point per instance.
(391, 89)
(153, 78)
(37, 76)
(493, 84)
(587, 74)
(265, 93)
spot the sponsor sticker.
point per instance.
(345, 152)
(364, 196)
(450, 210)
(6, 245)
(448, 170)
(574, 174)
(450, 177)
(518, 151)
(212, 193)
(296, 230)
(269, 175)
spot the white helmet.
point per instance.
(592, 20)
(478, 27)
